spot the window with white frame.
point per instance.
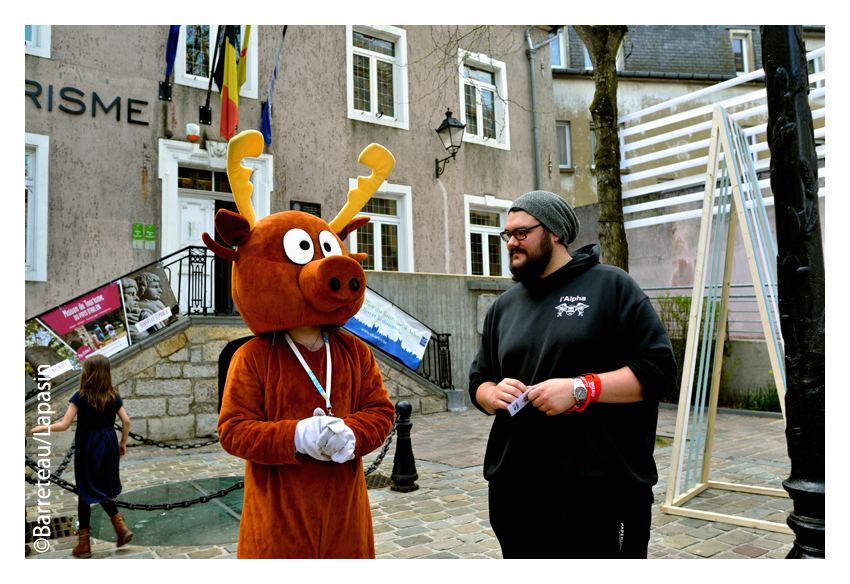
(621, 59)
(37, 40)
(485, 218)
(592, 145)
(484, 100)
(557, 50)
(36, 152)
(376, 73)
(387, 238)
(565, 158)
(196, 49)
(742, 51)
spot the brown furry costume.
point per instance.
(296, 506)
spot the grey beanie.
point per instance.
(552, 211)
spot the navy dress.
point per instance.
(96, 456)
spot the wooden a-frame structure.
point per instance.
(754, 229)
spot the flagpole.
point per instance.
(205, 114)
(266, 109)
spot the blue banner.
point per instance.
(390, 329)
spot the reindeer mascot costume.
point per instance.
(301, 414)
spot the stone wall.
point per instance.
(170, 390)
(404, 386)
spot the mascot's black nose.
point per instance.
(354, 284)
(334, 283)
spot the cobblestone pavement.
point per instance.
(447, 517)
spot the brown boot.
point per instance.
(121, 530)
(83, 547)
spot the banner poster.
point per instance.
(93, 324)
(390, 329)
(43, 348)
(149, 301)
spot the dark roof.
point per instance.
(676, 49)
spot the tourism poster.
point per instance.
(44, 349)
(149, 301)
(390, 329)
(93, 324)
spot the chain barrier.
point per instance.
(383, 452)
(67, 458)
(58, 480)
(187, 446)
(127, 505)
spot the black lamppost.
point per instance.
(451, 133)
(802, 293)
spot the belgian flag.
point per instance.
(226, 77)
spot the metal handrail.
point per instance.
(737, 311)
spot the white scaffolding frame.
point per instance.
(651, 143)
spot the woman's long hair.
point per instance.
(96, 382)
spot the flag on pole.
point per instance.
(243, 58)
(226, 77)
(266, 123)
(171, 49)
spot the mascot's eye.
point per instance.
(298, 246)
(329, 244)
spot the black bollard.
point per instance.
(404, 467)
(802, 292)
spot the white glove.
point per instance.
(307, 433)
(337, 440)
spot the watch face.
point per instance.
(580, 393)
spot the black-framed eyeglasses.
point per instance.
(520, 234)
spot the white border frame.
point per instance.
(400, 86)
(41, 144)
(503, 135)
(567, 124)
(749, 50)
(40, 47)
(562, 42)
(173, 153)
(493, 205)
(404, 195)
(249, 90)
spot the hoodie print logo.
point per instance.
(577, 307)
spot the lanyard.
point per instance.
(325, 394)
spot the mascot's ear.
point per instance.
(353, 224)
(232, 227)
(358, 257)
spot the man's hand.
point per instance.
(494, 397)
(553, 396)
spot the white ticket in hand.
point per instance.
(519, 402)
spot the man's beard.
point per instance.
(535, 263)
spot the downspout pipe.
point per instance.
(530, 52)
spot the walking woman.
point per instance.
(97, 450)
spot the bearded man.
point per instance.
(571, 470)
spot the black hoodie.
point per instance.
(584, 318)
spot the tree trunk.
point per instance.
(602, 43)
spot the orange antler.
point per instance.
(245, 144)
(381, 162)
